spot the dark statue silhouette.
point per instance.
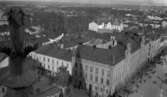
(17, 51)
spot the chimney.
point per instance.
(128, 50)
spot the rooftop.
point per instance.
(54, 51)
(105, 56)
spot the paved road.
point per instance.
(153, 87)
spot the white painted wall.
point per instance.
(50, 63)
(97, 86)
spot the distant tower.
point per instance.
(77, 71)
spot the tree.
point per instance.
(63, 77)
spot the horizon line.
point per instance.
(86, 3)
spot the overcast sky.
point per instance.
(138, 2)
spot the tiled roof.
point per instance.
(105, 56)
(54, 51)
(110, 56)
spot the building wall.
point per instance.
(129, 65)
(97, 75)
(50, 63)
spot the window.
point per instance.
(53, 61)
(57, 62)
(76, 65)
(96, 88)
(96, 79)
(48, 67)
(67, 65)
(97, 70)
(107, 91)
(3, 90)
(48, 60)
(85, 76)
(101, 80)
(108, 74)
(91, 77)
(102, 71)
(101, 89)
(86, 67)
(91, 69)
(107, 82)
(44, 58)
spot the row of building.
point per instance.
(103, 70)
(105, 27)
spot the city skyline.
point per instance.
(130, 2)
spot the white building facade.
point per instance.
(52, 64)
(93, 26)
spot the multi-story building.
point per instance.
(103, 70)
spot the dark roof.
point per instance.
(2, 56)
(54, 51)
(4, 28)
(105, 56)
(115, 54)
